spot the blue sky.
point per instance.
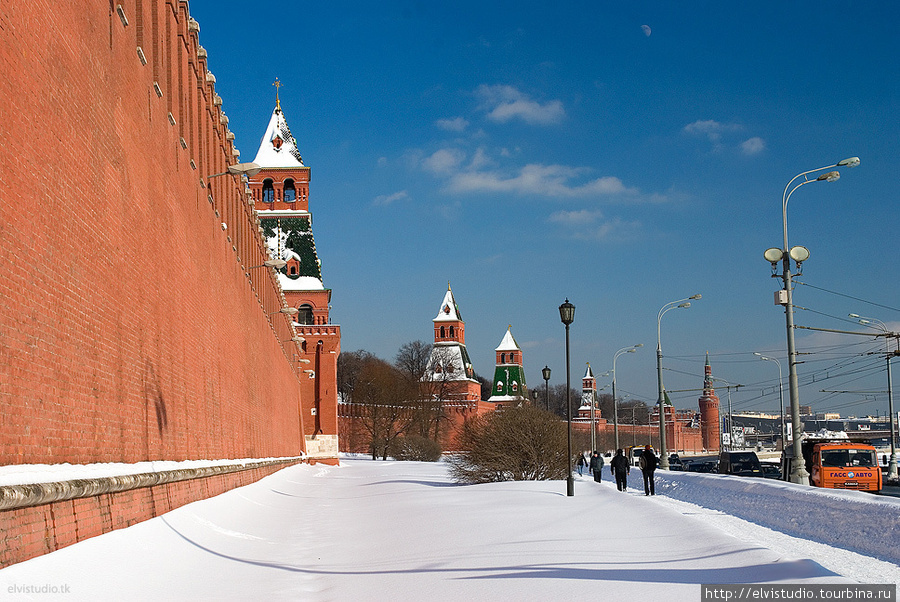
(620, 154)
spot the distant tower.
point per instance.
(509, 376)
(280, 193)
(709, 411)
(449, 368)
(588, 395)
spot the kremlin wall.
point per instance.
(135, 325)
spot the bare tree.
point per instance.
(437, 389)
(412, 359)
(348, 368)
(382, 395)
(558, 400)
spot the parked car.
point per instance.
(740, 463)
(701, 465)
(771, 470)
(675, 462)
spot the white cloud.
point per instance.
(387, 199)
(480, 159)
(503, 103)
(710, 128)
(444, 161)
(547, 180)
(583, 216)
(588, 224)
(753, 146)
(457, 124)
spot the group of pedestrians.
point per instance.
(620, 468)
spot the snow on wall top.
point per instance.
(278, 148)
(303, 283)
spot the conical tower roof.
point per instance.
(508, 343)
(278, 148)
(588, 373)
(449, 311)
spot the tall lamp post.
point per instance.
(892, 463)
(615, 401)
(784, 297)
(780, 398)
(546, 374)
(567, 315)
(661, 400)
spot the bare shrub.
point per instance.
(514, 444)
(416, 448)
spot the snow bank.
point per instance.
(856, 521)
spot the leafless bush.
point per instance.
(514, 444)
(416, 448)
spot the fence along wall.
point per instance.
(132, 327)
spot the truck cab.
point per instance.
(837, 463)
(845, 466)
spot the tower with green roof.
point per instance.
(509, 387)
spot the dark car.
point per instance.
(771, 471)
(740, 463)
(675, 462)
(701, 465)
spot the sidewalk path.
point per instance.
(403, 531)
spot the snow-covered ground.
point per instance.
(403, 531)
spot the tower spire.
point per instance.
(277, 85)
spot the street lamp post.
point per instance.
(661, 400)
(567, 315)
(546, 374)
(780, 398)
(784, 297)
(892, 463)
(615, 401)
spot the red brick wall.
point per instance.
(130, 327)
(30, 532)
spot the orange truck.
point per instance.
(839, 463)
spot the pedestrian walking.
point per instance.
(648, 464)
(620, 469)
(596, 466)
(579, 464)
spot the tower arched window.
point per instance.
(451, 332)
(268, 191)
(442, 332)
(305, 314)
(502, 358)
(290, 193)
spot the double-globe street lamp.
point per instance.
(892, 463)
(784, 297)
(780, 398)
(661, 400)
(567, 315)
(631, 349)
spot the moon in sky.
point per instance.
(646, 30)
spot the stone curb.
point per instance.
(24, 496)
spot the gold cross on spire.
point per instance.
(277, 85)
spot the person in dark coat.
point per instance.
(648, 464)
(579, 464)
(596, 466)
(620, 469)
